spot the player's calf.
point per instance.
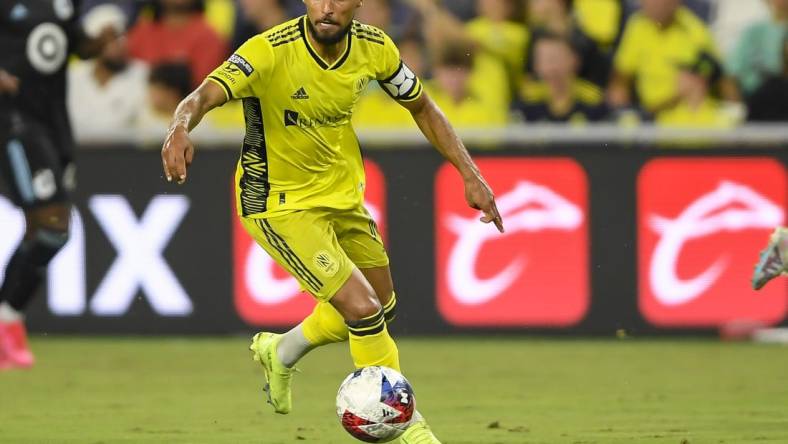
(370, 342)
(28, 264)
(24, 274)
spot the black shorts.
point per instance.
(36, 158)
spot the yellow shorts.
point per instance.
(320, 247)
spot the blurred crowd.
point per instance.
(487, 63)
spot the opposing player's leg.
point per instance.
(36, 173)
(46, 233)
(773, 259)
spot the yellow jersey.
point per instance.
(499, 68)
(600, 20)
(377, 111)
(655, 55)
(300, 150)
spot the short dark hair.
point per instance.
(541, 34)
(172, 75)
(456, 53)
(569, 5)
(198, 6)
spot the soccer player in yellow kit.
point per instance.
(300, 179)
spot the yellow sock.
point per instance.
(371, 344)
(324, 325)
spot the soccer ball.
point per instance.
(376, 404)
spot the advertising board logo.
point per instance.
(138, 268)
(265, 294)
(536, 274)
(701, 223)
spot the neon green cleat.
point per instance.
(419, 433)
(772, 261)
(277, 376)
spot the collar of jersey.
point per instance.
(319, 60)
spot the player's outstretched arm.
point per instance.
(439, 132)
(178, 152)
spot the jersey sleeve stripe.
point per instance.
(285, 30)
(283, 42)
(368, 29)
(368, 33)
(289, 34)
(224, 85)
(367, 38)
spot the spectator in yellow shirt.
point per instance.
(559, 95)
(601, 20)
(668, 58)
(556, 17)
(500, 35)
(497, 35)
(450, 88)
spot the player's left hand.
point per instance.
(480, 196)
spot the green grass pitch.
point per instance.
(473, 391)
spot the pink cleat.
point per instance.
(5, 363)
(13, 343)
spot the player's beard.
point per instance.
(330, 39)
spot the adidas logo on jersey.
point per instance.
(300, 94)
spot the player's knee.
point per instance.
(43, 243)
(55, 217)
(363, 307)
(356, 299)
(368, 325)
